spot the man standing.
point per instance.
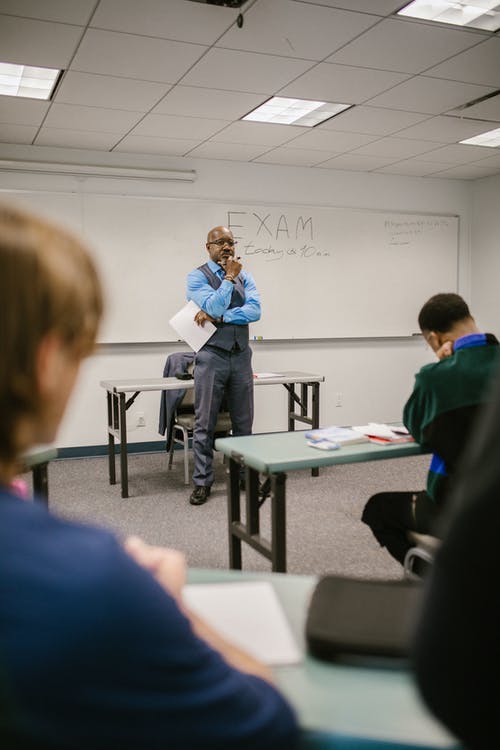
(439, 414)
(227, 297)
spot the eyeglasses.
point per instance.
(222, 242)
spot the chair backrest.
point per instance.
(187, 403)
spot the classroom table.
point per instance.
(340, 706)
(275, 454)
(302, 387)
(37, 459)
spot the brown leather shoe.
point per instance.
(199, 495)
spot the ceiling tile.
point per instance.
(413, 168)
(491, 160)
(265, 134)
(108, 91)
(76, 139)
(444, 129)
(67, 116)
(354, 162)
(22, 111)
(170, 126)
(142, 144)
(403, 47)
(342, 83)
(231, 151)
(167, 19)
(481, 64)
(37, 43)
(429, 95)
(280, 27)
(199, 102)
(133, 56)
(373, 120)
(459, 154)
(295, 157)
(396, 148)
(17, 133)
(331, 140)
(244, 71)
(381, 7)
(64, 11)
(465, 172)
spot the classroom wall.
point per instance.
(372, 376)
(485, 269)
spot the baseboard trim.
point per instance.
(89, 451)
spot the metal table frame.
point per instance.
(302, 387)
(274, 454)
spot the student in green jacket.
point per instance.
(439, 414)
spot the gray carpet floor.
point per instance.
(324, 533)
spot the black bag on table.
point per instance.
(355, 617)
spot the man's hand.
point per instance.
(201, 317)
(168, 566)
(444, 351)
(232, 267)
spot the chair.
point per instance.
(183, 427)
(425, 547)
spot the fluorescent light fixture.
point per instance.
(96, 170)
(21, 80)
(479, 14)
(491, 139)
(284, 111)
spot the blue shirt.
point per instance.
(215, 302)
(95, 654)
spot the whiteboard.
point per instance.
(321, 272)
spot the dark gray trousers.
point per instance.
(217, 373)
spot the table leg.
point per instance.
(291, 405)
(123, 446)
(41, 483)
(278, 523)
(234, 513)
(111, 440)
(252, 500)
(315, 417)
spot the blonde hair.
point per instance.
(48, 284)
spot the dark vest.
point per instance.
(228, 335)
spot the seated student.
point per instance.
(439, 414)
(96, 647)
(457, 645)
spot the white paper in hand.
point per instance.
(184, 325)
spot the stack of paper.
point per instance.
(384, 434)
(331, 438)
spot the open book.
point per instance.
(384, 434)
(331, 438)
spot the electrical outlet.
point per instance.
(338, 399)
(141, 419)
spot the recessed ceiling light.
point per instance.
(491, 138)
(284, 111)
(22, 80)
(481, 14)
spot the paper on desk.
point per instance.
(193, 334)
(266, 375)
(248, 614)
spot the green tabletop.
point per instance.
(275, 452)
(340, 700)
